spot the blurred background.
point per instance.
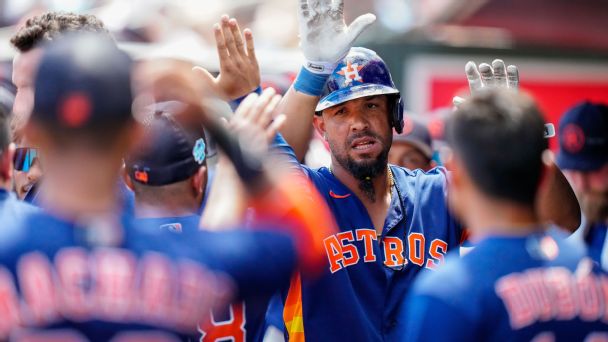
(560, 46)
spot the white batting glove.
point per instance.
(495, 76)
(324, 37)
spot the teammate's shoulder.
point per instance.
(451, 278)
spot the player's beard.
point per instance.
(364, 171)
(595, 206)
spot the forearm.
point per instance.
(299, 109)
(226, 202)
(557, 203)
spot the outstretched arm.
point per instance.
(556, 201)
(325, 39)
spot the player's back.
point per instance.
(105, 279)
(241, 320)
(537, 287)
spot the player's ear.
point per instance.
(199, 181)
(319, 124)
(126, 178)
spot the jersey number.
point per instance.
(232, 329)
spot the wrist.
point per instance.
(234, 104)
(310, 83)
(321, 68)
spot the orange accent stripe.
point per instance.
(292, 312)
(334, 195)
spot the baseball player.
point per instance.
(394, 222)
(519, 283)
(583, 154)
(81, 270)
(167, 173)
(42, 28)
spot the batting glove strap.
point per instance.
(310, 83)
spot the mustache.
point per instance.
(364, 134)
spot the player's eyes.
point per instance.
(372, 105)
(340, 111)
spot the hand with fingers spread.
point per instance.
(486, 76)
(255, 121)
(324, 36)
(239, 70)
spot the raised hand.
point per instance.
(239, 69)
(486, 76)
(255, 121)
(324, 36)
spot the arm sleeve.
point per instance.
(431, 319)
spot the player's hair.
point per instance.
(498, 135)
(50, 25)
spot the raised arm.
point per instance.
(325, 39)
(556, 201)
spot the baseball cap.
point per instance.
(417, 134)
(83, 80)
(170, 152)
(583, 137)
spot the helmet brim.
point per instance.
(346, 94)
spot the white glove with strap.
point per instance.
(494, 76)
(324, 37)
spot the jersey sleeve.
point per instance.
(431, 319)
(280, 147)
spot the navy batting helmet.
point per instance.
(362, 73)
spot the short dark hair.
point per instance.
(498, 135)
(50, 25)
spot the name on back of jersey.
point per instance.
(107, 284)
(553, 294)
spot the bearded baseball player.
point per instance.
(393, 222)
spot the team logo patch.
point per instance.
(199, 151)
(75, 109)
(172, 227)
(351, 73)
(141, 176)
(573, 138)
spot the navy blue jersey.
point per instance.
(108, 279)
(529, 288)
(239, 321)
(360, 295)
(597, 245)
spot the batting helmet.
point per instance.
(362, 73)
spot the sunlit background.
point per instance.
(560, 46)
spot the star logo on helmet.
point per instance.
(351, 73)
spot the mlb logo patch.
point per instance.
(172, 227)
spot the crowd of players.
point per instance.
(115, 226)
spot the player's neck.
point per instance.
(144, 209)
(66, 201)
(501, 218)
